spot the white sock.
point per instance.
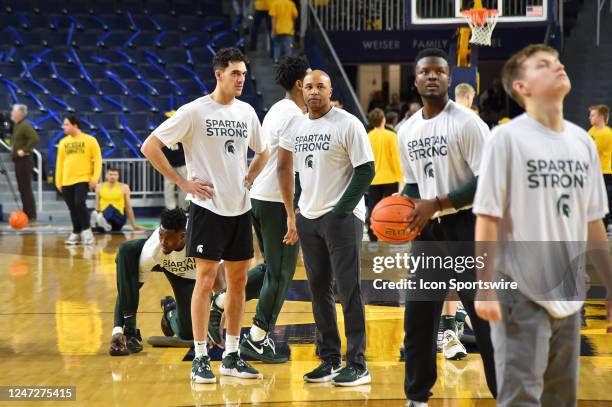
(231, 344)
(220, 301)
(257, 334)
(419, 403)
(200, 348)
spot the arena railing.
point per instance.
(339, 15)
(144, 181)
(37, 170)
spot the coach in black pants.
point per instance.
(440, 151)
(335, 166)
(23, 142)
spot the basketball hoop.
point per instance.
(482, 21)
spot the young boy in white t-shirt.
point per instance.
(540, 186)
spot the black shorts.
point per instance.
(215, 237)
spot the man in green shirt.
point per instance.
(23, 142)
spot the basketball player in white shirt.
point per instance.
(540, 182)
(216, 132)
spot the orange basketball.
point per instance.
(387, 219)
(18, 220)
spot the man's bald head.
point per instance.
(317, 92)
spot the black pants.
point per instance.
(24, 168)
(375, 194)
(257, 20)
(76, 199)
(422, 315)
(331, 246)
(608, 181)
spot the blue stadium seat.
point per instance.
(109, 87)
(167, 39)
(109, 121)
(9, 71)
(137, 104)
(167, 22)
(81, 104)
(55, 86)
(162, 86)
(202, 56)
(173, 56)
(69, 72)
(138, 122)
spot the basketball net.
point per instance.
(482, 22)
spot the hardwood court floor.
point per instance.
(56, 307)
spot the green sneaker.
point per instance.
(352, 376)
(214, 321)
(233, 365)
(325, 372)
(201, 371)
(263, 350)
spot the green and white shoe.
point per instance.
(201, 371)
(352, 376)
(325, 372)
(263, 350)
(214, 322)
(233, 365)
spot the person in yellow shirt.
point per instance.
(77, 170)
(113, 205)
(386, 163)
(283, 14)
(261, 14)
(602, 135)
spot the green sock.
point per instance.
(172, 316)
(460, 316)
(449, 323)
(130, 322)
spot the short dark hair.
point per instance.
(174, 219)
(74, 120)
(432, 52)
(113, 169)
(290, 70)
(376, 116)
(225, 56)
(513, 68)
(601, 110)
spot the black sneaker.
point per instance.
(168, 304)
(263, 350)
(134, 340)
(352, 376)
(214, 321)
(201, 371)
(325, 372)
(118, 346)
(232, 365)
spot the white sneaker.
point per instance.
(87, 237)
(73, 239)
(103, 223)
(411, 403)
(452, 348)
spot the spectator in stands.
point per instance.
(388, 172)
(176, 158)
(337, 103)
(377, 101)
(78, 168)
(394, 104)
(493, 103)
(391, 119)
(261, 14)
(113, 205)
(413, 107)
(464, 95)
(283, 14)
(602, 135)
(23, 142)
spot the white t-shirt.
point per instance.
(325, 152)
(545, 187)
(153, 257)
(275, 123)
(216, 139)
(443, 153)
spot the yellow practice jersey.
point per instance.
(112, 195)
(386, 156)
(284, 13)
(603, 141)
(79, 159)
